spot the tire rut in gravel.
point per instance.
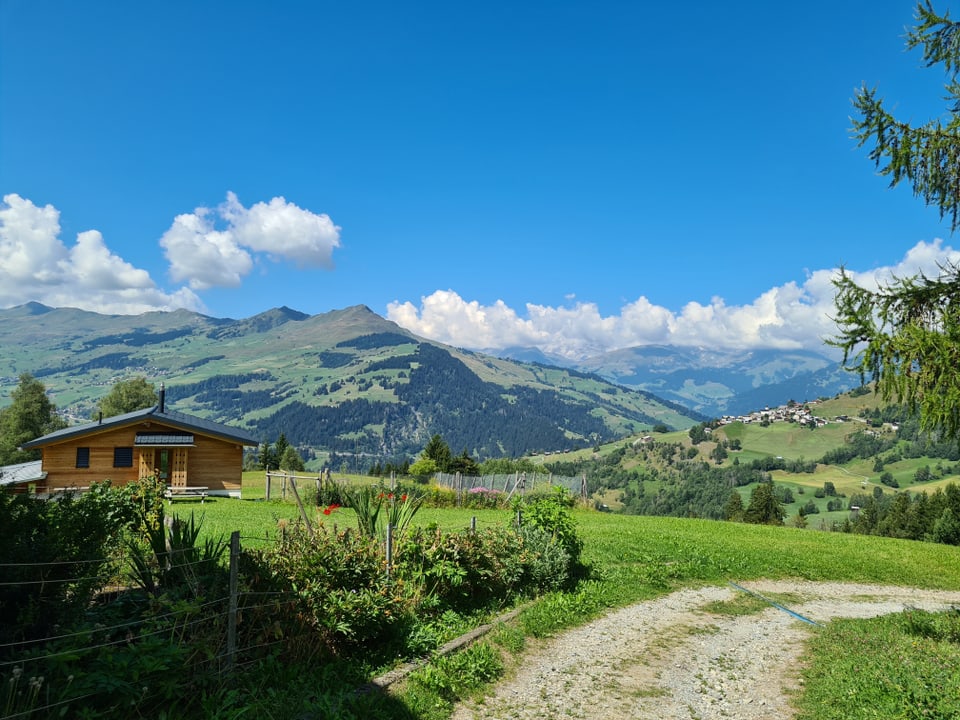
(670, 658)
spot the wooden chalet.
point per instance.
(187, 452)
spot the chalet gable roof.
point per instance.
(168, 418)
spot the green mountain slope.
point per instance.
(343, 381)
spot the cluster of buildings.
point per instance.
(795, 413)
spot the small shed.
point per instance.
(182, 450)
(22, 474)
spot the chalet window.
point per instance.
(123, 457)
(83, 457)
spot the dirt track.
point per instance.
(672, 658)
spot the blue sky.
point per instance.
(574, 176)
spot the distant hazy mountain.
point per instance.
(346, 381)
(532, 355)
(718, 382)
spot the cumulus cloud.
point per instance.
(203, 256)
(36, 265)
(214, 247)
(284, 231)
(206, 248)
(789, 316)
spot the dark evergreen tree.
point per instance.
(464, 464)
(733, 510)
(268, 459)
(764, 507)
(438, 451)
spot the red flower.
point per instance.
(330, 508)
(403, 498)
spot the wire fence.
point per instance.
(509, 485)
(237, 627)
(34, 680)
(519, 483)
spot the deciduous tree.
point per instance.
(29, 415)
(127, 396)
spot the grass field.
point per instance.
(788, 440)
(683, 550)
(636, 558)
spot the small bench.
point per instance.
(185, 493)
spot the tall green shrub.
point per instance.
(339, 583)
(54, 558)
(552, 515)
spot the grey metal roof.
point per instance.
(171, 418)
(21, 472)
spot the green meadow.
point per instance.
(635, 558)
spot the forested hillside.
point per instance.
(855, 466)
(346, 382)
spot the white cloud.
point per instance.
(36, 265)
(212, 247)
(206, 248)
(789, 316)
(30, 251)
(93, 266)
(202, 255)
(284, 231)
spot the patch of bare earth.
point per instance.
(674, 658)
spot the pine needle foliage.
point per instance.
(905, 335)
(927, 156)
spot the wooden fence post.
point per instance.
(303, 510)
(232, 611)
(268, 485)
(389, 548)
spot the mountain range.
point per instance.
(347, 381)
(723, 382)
(350, 381)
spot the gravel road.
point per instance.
(673, 658)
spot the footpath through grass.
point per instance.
(855, 666)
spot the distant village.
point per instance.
(791, 412)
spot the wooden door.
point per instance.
(178, 468)
(147, 466)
